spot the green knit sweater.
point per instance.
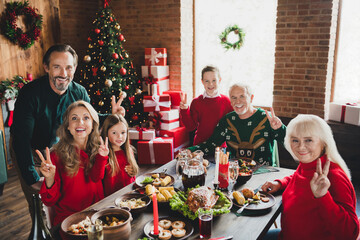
(248, 139)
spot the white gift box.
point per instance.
(171, 115)
(169, 126)
(147, 134)
(160, 74)
(345, 113)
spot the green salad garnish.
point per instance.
(177, 203)
(147, 180)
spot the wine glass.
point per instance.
(234, 173)
(182, 157)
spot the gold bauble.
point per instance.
(108, 83)
(113, 79)
(90, 46)
(117, 26)
(91, 85)
(101, 103)
(103, 68)
(138, 91)
(123, 94)
(87, 58)
(126, 55)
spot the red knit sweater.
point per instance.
(204, 114)
(73, 194)
(121, 179)
(332, 216)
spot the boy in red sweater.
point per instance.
(207, 109)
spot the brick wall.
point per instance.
(305, 38)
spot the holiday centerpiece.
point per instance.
(33, 23)
(232, 45)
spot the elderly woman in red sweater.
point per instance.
(319, 200)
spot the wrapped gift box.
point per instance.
(169, 125)
(159, 76)
(169, 119)
(180, 135)
(156, 103)
(155, 56)
(141, 134)
(175, 98)
(155, 151)
(345, 113)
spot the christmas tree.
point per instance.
(109, 70)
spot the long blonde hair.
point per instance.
(129, 150)
(65, 149)
(312, 125)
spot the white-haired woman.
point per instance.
(319, 200)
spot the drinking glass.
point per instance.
(183, 155)
(95, 231)
(205, 223)
(234, 173)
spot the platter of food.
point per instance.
(258, 201)
(163, 194)
(170, 228)
(187, 203)
(156, 179)
(136, 202)
(75, 225)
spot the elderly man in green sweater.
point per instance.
(38, 114)
(248, 131)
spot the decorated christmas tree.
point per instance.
(108, 69)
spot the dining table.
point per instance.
(248, 225)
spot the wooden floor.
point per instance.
(15, 222)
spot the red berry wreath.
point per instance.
(32, 20)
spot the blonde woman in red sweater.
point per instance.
(319, 200)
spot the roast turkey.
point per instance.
(202, 197)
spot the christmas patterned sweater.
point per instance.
(248, 139)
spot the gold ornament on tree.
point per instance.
(126, 55)
(90, 46)
(87, 58)
(103, 68)
(108, 83)
(101, 103)
(138, 91)
(123, 94)
(91, 85)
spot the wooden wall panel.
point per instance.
(16, 61)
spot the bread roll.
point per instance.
(248, 193)
(165, 181)
(239, 198)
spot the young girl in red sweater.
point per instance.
(207, 109)
(73, 163)
(122, 167)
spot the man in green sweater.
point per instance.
(38, 114)
(249, 132)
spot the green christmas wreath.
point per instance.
(228, 45)
(33, 20)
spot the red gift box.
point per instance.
(156, 103)
(155, 56)
(156, 151)
(175, 98)
(180, 135)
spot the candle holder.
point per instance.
(155, 236)
(216, 185)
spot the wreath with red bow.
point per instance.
(33, 21)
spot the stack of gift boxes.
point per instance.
(158, 146)
(345, 113)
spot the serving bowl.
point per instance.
(134, 195)
(121, 231)
(243, 178)
(75, 219)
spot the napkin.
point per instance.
(266, 169)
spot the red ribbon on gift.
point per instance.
(156, 119)
(140, 130)
(343, 110)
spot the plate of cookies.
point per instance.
(156, 179)
(170, 228)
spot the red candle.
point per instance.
(29, 77)
(156, 214)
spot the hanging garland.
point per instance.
(32, 19)
(228, 45)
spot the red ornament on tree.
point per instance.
(89, 39)
(115, 56)
(122, 72)
(101, 43)
(111, 19)
(135, 117)
(121, 37)
(126, 87)
(97, 31)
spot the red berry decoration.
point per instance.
(121, 37)
(89, 39)
(101, 43)
(123, 72)
(115, 56)
(135, 117)
(126, 87)
(97, 31)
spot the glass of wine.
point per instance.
(182, 157)
(234, 173)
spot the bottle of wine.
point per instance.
(39, 230)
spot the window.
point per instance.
(255, 61)
(347, 76)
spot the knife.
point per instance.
(246, 204)
(222, 238)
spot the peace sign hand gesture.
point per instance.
(320, 183)
(104, 147)
(183, 101)
(116, 106)
(47, 168)
(275, 122)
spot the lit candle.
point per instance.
(156, 214)
(29, 77)
(217, 160)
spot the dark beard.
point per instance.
(61, 87)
